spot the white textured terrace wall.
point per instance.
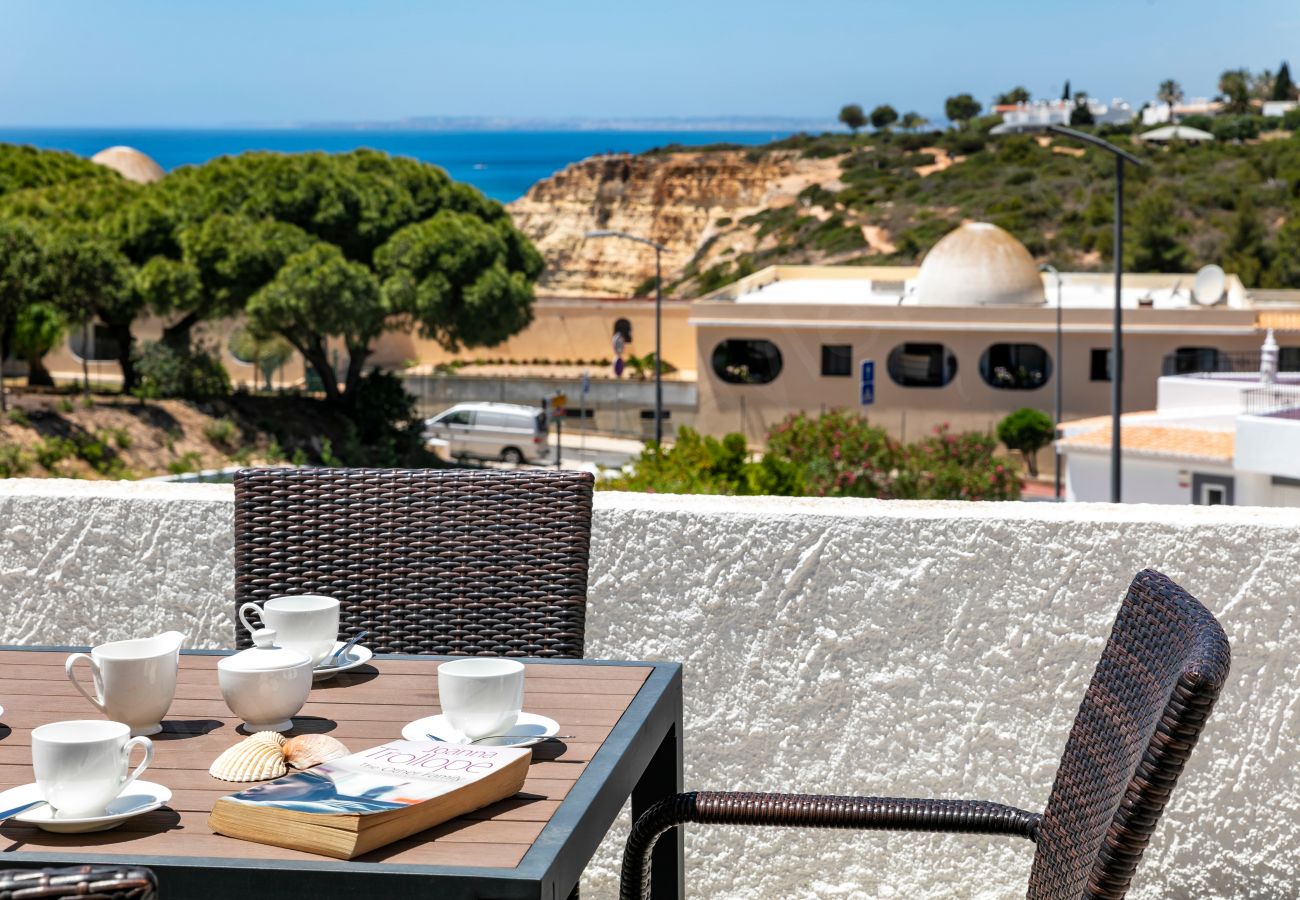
(907, 649)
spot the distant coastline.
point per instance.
(503, 163)
(788, 124)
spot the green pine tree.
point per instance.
(1283, 87)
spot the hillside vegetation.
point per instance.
(1235, 202)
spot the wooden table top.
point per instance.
(362, 708)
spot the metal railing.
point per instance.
(1209, 361)
(1274, 400)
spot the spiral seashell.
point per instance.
(255, 758)
(307, 750)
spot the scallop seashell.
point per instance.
(252, 759)
(273, 738)
(307, 750)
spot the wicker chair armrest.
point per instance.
(810, 811)
(86, 882)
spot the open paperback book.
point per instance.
(350, 806)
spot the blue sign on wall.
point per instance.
(867, 385)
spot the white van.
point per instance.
(504, 431)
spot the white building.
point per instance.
(1278, 108)
(1160, 113)
(1214, 438)
(1038, 114)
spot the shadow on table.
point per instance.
(305, 725)
(498, 809)
(5, 731)
(358, 675)
(23, 835)
(551, 751)
(180, 729)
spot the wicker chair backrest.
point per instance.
(460, 562)
(1162, 669)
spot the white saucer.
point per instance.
(531, 724)
(357, 656)
(141, 797)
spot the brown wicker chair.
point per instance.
(86, 882)
(435, 561)
(1148, 700)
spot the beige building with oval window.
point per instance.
(964, 339)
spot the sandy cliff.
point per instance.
(676, 199)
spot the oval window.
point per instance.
(746, 361)
(1015, 367)
(921, 365)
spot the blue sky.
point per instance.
(188, 63)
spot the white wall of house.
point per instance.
(1268, 444)
(1143, 479)
(889, 648)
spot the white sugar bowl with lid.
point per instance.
(265, 685)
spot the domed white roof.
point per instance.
(130, 163)
(978, 264)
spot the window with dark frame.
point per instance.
(746, 361)
(1099, 364)
(1190, 360)
(837, 360)
(921, 365)
(1015, 367)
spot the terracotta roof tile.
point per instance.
(1156, 440)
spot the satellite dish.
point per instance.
(1209, 285)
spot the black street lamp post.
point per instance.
(659, 381)
(1117, 334)
(1060, 374)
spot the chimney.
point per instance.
(1268, 360)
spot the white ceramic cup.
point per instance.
(481, 696)
(81, 766)
(308, 623)
(135, 680)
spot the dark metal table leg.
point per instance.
(663, 778)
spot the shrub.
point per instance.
(190, 461)
(1291, 119)
(388, 430)
(14, 463)
(195, 374)
(949, 466)
(837, 454)
(1027, 431)
(1235, 128)
(693, 465)
(18, 416)
(65, 405)
(1204, 123)
(327, 457)
(221, 432)
(53, 450)
(120, 436)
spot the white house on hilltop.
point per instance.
(1038, 114)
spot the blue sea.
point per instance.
(502, 164)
